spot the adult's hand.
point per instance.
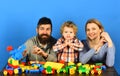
(39, 51)
(107, 38)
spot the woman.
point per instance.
(98, 47)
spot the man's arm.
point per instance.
(52, 56)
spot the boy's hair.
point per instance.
(44, 20)
(69, 24)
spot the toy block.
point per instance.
(71, 71)
(103, 67)
(54, 65)
(22, 68)
(5, 72)
(79, 64)
(26, 71)
(13, 66)
(62, 61)
(41, 69)
(9, 48)
(71, 63)
(10, 72)
(16, 71)
(8, 67)
(34, 71)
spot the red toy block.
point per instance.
(12, 65)
(9, 48)
(62, 61)
(10, 72)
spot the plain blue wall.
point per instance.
(18, 20)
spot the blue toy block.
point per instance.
(41, 69)
(20, 70)
(34, 71)
(17, 53)
(9, 68)
(103, 67)
(38, 65)
(26, 71)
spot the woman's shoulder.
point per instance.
(84, 41)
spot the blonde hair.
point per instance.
(96, 22)
(69, 24)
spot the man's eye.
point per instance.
(48, 29)
(41, 28)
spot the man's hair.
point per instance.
(44, 20)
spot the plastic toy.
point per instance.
(17, 53)
(97, 69)
(53, 65)
(9, 48)
(84, 69)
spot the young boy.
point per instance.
(68, 46)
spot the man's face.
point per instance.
(44, 32)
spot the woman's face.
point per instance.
(93, 31)
(68, 33)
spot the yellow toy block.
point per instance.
(16, 71)
(23, 68)
(71, 63)
(13, 61)
(54, 65)
(79, 64)
(5, 72)
(72, 71)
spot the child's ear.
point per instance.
(37, 30)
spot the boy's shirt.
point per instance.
(66, 53)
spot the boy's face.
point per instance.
(68, 33)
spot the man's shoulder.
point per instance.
(32, 38)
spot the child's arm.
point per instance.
(77, 45)
(59, 45)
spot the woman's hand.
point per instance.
(107, 38)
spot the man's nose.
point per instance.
(44, 31)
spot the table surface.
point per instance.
(107, 72)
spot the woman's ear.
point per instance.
(100, 31)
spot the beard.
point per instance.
(44, 38)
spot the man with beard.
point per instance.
(39, 48)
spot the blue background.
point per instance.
(18, 20)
